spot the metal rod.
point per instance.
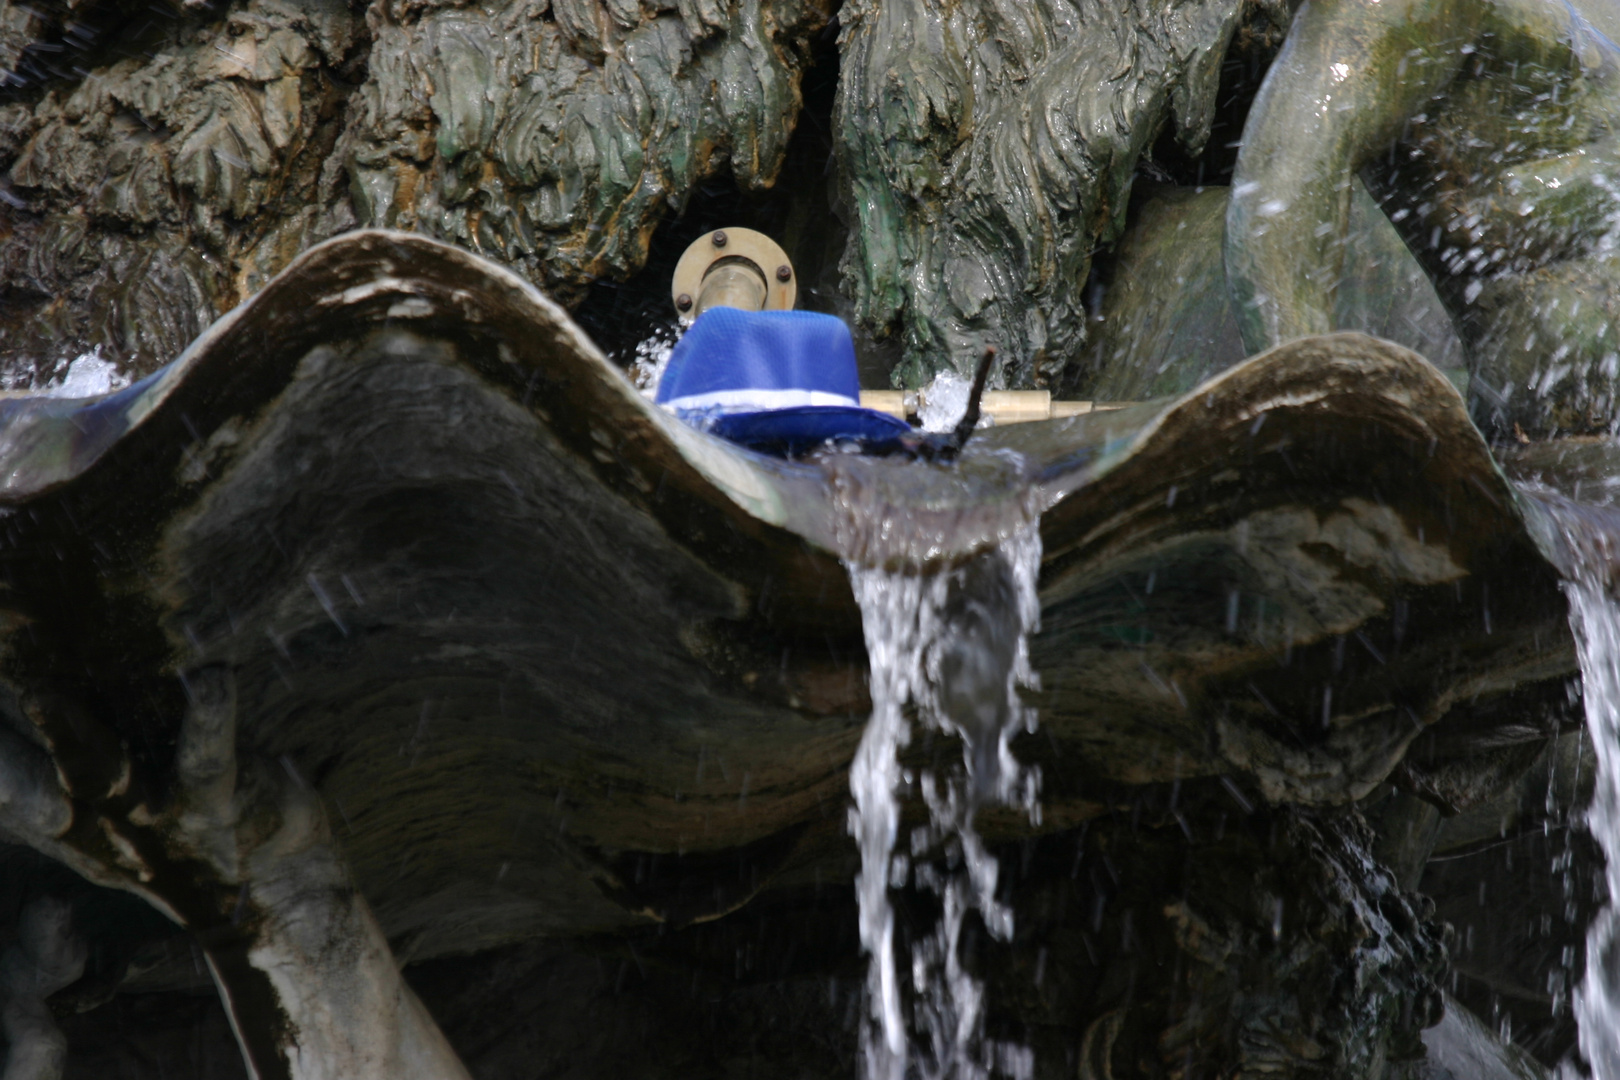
(1003, 406)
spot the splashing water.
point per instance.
(83, 376)
(954, 645)
(88, 376)
(1594, 617)
(944, 401)
(650, 358)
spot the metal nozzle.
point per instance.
(736, 284)
(737, 268)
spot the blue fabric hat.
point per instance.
(780, 381)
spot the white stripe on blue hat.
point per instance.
(759, 400)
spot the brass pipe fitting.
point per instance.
(1003, 406)
(732, 284)
(737, 268)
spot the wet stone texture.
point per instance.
(153, 192)
(988, 148)
(159, 164)
(1161, 323)
(554, 136)
(1189, 934)
(1169, 939)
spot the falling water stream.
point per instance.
(950, 649)
(1594, 617)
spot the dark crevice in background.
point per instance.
(798, 212)
(1254, 46)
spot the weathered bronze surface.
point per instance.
(161, 166)
(986, 149)
(979, 165)
(1164, 323)
(1486, 129)
(563, 623)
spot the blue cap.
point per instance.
(783, 381)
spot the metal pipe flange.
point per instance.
(734, 268)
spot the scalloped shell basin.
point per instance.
(513, 620)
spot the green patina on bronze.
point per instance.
(985, 151)
(1164, 323)
(156, 191)
(1487, 130)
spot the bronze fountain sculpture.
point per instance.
(386, 623)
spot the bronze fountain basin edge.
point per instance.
(522, 629)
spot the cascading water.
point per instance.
(1594, 616)
(953, 645)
